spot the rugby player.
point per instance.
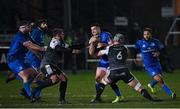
(17, 53)
(118, 69)
(98, 41)
(150, 49)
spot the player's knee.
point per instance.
(159, 79)
(98, 79)
(54, 79)
(63, 77)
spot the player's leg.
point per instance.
(117, 91)
(138, 87)
(53, 79)
(151, 85)
(62, 88)
(114, 87)
(99, 86)
(155, 73)
(22, 70)
(162, 84)
(112, 79)
(129, 78)
(27, 79)
(10, 77)
(151, 72)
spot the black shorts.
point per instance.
(120, 74)
(49, 70)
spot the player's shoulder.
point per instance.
(139, 41)
(35, 31)
(105, 34)
(54, 42)
(20, 36)
(155, 40)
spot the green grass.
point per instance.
(81, 90)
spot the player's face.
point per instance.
(26, 29)
(147, 35)
(95, 30)
(44, 26)
(60, 36)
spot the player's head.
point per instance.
(58, 33)
(25, 27)
(42, 23)
(95, 29)
(147, 33)
(119, 39)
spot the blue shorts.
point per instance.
(35, 64)
(18, 65)
(103, 64)
(154, 70)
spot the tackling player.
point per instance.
(150, 49)
(98, 41)
(118, 70)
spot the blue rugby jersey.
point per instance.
(37, 37)
(17, 50)
(147, 48)
(104, 38)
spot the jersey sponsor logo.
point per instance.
(20, 68)
(145, 51)
(153, 73)
(143, 46)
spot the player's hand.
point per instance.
(156, 54)
(93, 40)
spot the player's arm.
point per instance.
(60, 48)
(160, 48)
(33, 46)
(92, 44)
(103, 52)
(91, 49)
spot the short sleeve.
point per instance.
(106, 51)
(54, 43)
(137, 44)
(105, 37)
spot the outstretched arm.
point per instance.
(33, 46)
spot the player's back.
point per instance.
(117, 56)
(37, 36)
(17, 50)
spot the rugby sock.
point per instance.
(10, 77)
(30, 80)
(115, 89)
(153, 83)
(38, 93)
(167, 89)
(42, 84)
(27, 88)
(99, 89)
(146, 95)
(62, 90)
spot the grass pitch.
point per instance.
(81, 90)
